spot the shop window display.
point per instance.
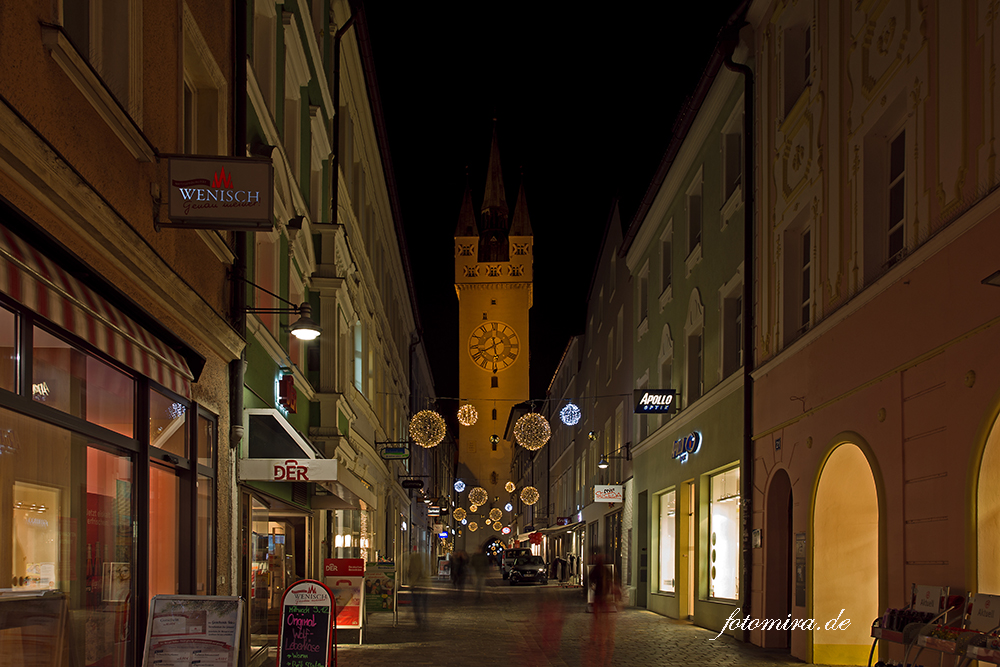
(66, 505)
(668, 542)
(724, 549)
(72, 381)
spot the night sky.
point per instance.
(584, 101)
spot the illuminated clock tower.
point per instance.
(493, 280)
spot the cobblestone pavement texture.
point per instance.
(536, 626)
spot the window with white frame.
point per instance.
(359, 356)
(296, 79)
(732, 155)
(668, 542)
(731, 298)
(265, 35)
(724, 524)
(108, 35)
(694, 334)
(641, 420)
(797, 56)
(695, 214)
(666, 364)
(667, 258)
(895, 240)
(798, 278)
(205, 116)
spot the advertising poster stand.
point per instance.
(381, 590)
(345, 578)
(185, 630)
(307, 635)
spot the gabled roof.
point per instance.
(520, 224)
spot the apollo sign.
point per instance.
(209, 192)
(654, 401)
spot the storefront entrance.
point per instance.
(778, 561)
(845, 556)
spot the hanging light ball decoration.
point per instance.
(510, 487)
(478, 496)
(473, 526)
(473, 508)
(487, 523)
(496, 514)
(459, 514)
(467, 415)
(497, 526)
(427, 428)
(506, 530)
(508, 507)
(532, 431)
(570, 414)
(459, 485)
(529, 495)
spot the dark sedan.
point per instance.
(528, 568)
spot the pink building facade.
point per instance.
(877, 371)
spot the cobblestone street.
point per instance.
(535, 626)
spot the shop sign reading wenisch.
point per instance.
(211, 192)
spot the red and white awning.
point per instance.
(35, 281)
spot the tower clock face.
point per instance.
(493, 346)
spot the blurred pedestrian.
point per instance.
(602, 631)
(459, 567)
(480, 566)
(418, 580)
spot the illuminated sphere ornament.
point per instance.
(510, 487)
(497, 526)
(459, 514)
(473, 526)
(478, 496)
(532, 431)
(508, 507)
(495, 514)
(570, 414)
(473, 508)
(467, 415)
(529, 495)
(459, 485)
(506, 530)
(487, 523)
(465, 521)
(427, 428)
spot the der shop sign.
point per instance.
(289, 470)
(210, 192)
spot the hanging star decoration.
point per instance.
(570, 414)
(427, 428)
(532, 431)
(467, 415)
(478, 496)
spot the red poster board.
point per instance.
(345, 578)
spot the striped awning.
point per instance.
(35, 281)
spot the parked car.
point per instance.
(508, 558)
(529, 568)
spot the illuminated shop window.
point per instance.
(668, 542)
(724, 550)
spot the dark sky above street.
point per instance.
(584, 101)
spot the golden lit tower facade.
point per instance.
(493, 274)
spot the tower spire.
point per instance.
(495, 198)
(520, 224)
(466, 217)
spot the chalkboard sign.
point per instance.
(305, 638)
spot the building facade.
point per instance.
(876, 373)
(685, 251)
(116, 472)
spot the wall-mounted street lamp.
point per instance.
(603, 463)
(304, 328)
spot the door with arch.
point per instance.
(845, 556)
(988, 515)
(778, 562)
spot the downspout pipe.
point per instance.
(335, 92)
(731, 39)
